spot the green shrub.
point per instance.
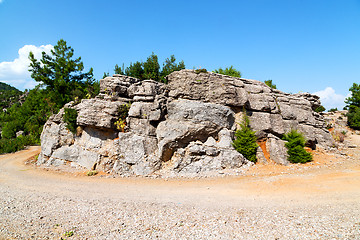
(16, 144)
(295, 146)
(10, 128)
(354, 118)
(200, 70)
(245, 140)
(91, 173)
(69, 234)
(333, 110)
(229, 71)
(70, 119)
(270, 83)
(320, 109)
(123, 111)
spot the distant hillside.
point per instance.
(7, 87)
(9, 95)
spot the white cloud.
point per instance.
(16, 72)
(330, 99)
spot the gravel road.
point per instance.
(317, 201)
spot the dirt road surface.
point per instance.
(318, 200)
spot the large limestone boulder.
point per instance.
(190, 121)
(117, 85)
(98, 112)
(277, 150)
(185, 128)
(215, 88)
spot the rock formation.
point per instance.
(183, 128)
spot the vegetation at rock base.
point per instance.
(91, 173)
(70, 116)
(245, 140)
(230, 71)
(16, 144)
(295, 145)
(270, 83)
(61, 79)
(150, 69)
(338, 136)
(353, 106)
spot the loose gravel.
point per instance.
(31, 215)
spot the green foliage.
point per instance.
(61, 79)
(69, 234)
(135, 70)
(123, 111)
(200, 70)
(7, 87)
(119, 70)
(62, 76)
(332, 110)
(320, 109)
(353, 107)
(70, 116)
(28, 117)
(231, 71)
(8, 96)
(10, 128)
(16, 144)
(354, 99)
(170, 66)
(150, 69)
(354, 118)
(91, 173)
(270, 83)
(245, 140)
(106, 74)
(295, 145)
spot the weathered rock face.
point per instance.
(183, 128)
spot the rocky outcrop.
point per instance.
(183, 128)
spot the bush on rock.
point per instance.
(70, 119)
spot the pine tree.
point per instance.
(245, 140)
(353, 105)
(62, 75)
(295, 146)
(170, 66)
(152, 68)
(231, 71)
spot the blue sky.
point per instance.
(302, 45)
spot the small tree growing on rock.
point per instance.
(270, 83)
(70, 116)
(230, 71)
(295, 146)
(245, 140)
